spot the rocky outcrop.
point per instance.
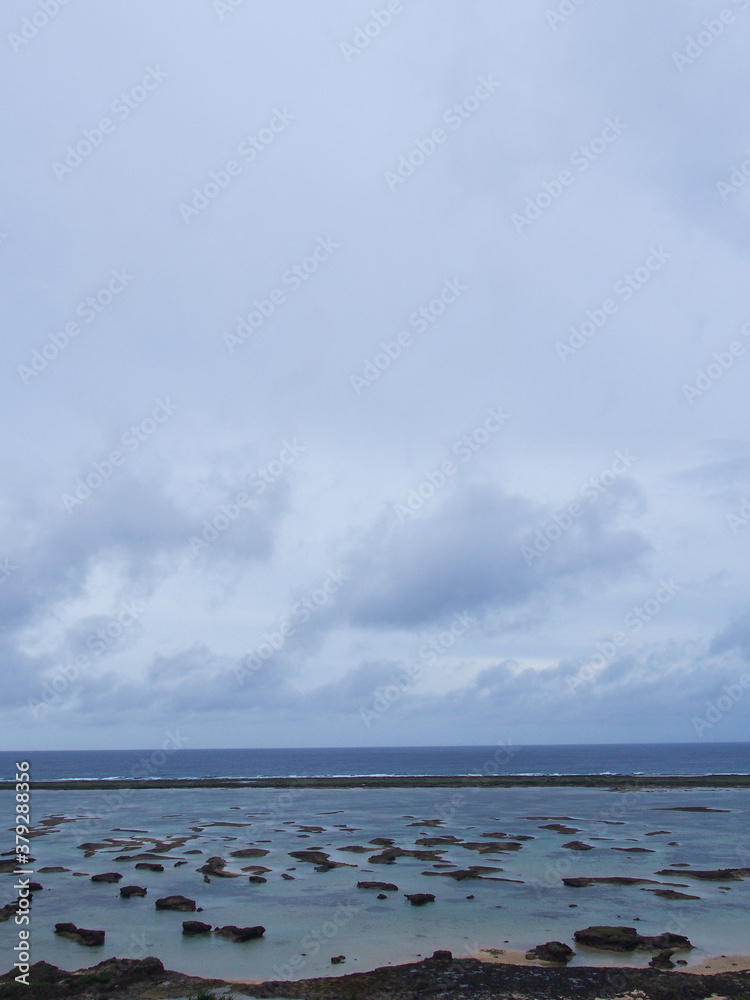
(578, 845)
(107, 877)
(711, 874)
(258, 879)
(338, 959)
(181, 903)
(385, 886)
(560, 828)
(389, 855)
(628, 939)
(193, 927)
(320, 859)
(662, 961)
(127, 891)
(249, 852)
(149, 866)
(670, 894)
(581, 882)
(6, 912)
(80, 934)
(240, 933)
(420, 898)
(216, 867)
(553, 951)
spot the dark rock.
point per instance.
(628, 939)
(215, 866)
(6, 912)
(386, 886)
(578, 845)
(670, 894)
(338, 959)
(80, 934)
(249, 852)
(192, 927)
(52, 868)
(710, 875)
(662, 961)
(257, 878)
(442, 955)
(181, 903)
(289, 878)
(132, 890)
(560, 828)
(420, 898)
(320, 859)
(380, 895)
(149, 866)
(35, 886)
(553, 951)
(107, 877)
(240, 933)
(581, 882)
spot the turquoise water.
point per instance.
(321, 914)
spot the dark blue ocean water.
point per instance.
(635, 758)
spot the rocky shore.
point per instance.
(438, 977)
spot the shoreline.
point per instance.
(612, 782)
(439, 975)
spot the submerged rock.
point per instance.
(149, 866)
(181, 903)
(127, 891)
(420, 898)
(387, 886)
(193, 927)
(234, 933)
(80, 934)
(578, 845)
(107, 877)
(338, 959)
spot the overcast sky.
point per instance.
(374, 373)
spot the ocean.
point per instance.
(496, 859)
(631, 758)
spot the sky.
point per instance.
(374, 373)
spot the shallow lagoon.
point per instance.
(322, 914)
